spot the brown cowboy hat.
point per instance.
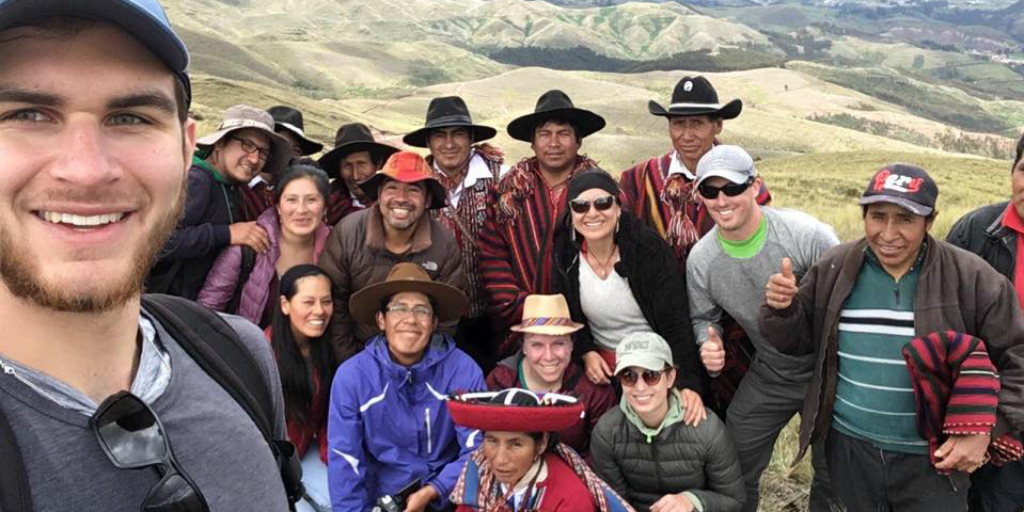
(448, 112)
(407, 167)
(407, 277)
(550, 105)
(350, 139)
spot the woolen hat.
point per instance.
(349, 139)
(448, 112)
(695, 96)
(555, 104)
(407, 277)
(515, 410)
(290, 119)
(594, 177)
(730, 162)
(240, 117)
(647, 350)
(905, 185)
(546, 314)
(407, 167)
(145, 20)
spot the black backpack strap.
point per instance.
(211, 342)
(15, 495)
(248, 262)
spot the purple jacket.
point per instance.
(223, 277)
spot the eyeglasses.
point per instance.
(583, 206)
(732, 189)
(132, 437)
(651, 377)
(250, 147)
(401, 310)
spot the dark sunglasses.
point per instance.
(732, 189)
(132, 437)
(583, 206)
(651, 377)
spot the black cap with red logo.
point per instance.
(905, 185)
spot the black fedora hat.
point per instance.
(290, 119)
(448, 112)
(555, 104)
(350, 139)
(694, 96)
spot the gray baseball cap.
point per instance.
(730, 162)
(646, 350)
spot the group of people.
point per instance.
(451, 333)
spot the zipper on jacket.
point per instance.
(657, 465)
(426, 419)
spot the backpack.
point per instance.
(214, 346)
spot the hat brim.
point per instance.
(513, 418)
(378, 152)
(914, 207)
(280, 148)
(738, 178)
(309, 147)
(730, 110)
(585, 121)
(420, 138)
(550, 330)
(438, 196)
(365, 304)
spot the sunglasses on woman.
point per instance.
(651, 377)
(601, 204)
(708, 191)
(132, 437)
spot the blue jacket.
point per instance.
(388, 424)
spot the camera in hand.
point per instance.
(396, 502)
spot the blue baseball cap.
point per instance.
(145, 20)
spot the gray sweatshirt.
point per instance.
(718, 282)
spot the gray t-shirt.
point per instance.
(609, 306)
(212, 437)
(718, 282)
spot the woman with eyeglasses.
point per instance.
(620, 277)
(243, 282)
(306, 363)
(645, 450)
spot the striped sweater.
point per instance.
(516, 242)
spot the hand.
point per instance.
(965, 453)
(693, 407)
(782, 287)
(597, 368)
(249, 233)
(418, 501)
(673, 503)
(712, 352)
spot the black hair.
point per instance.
(558, 120)
(295, 382)
(302, 168)
(1020, 153)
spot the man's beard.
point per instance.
(22, 277)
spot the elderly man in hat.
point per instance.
(288, 123)
(659, 192)
(523, 209)
(364, 246)
(467, 169)
(388, 427)
(355, 158)
(544, 365)
(244, 145)
(725, 273)
(918, 354)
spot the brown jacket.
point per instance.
(956, 290)
(356, 257)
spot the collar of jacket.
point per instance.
(1000, 232)
(199, 161)
(375, 236)
(672, 416)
